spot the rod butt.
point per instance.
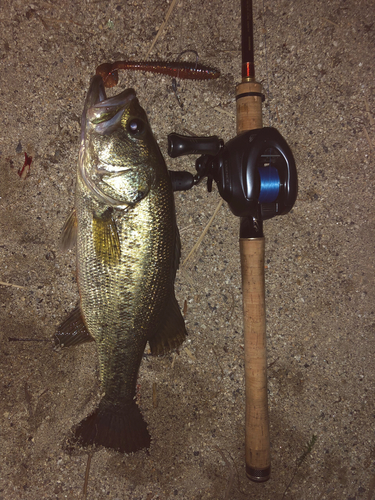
(258, 475)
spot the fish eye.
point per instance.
(135, 126)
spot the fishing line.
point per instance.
(269, 184)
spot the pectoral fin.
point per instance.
(68, 237)
(72, 331)
(106, 239)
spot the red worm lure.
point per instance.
(185, 70)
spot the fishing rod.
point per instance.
(252, 250)
(256, 175)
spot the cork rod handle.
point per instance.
(249, 106)
(257, 439)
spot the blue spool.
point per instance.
(269, 184)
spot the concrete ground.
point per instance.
(315, 60)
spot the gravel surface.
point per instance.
(315, 61)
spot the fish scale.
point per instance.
(123, 292)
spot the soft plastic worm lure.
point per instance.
(185, 70)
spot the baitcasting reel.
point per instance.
(255, 171)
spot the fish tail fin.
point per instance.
(122, 429)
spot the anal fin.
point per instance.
(72, 331)
(172, 332)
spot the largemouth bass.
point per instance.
(128, 251)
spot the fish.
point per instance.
(128, 250)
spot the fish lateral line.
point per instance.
(176, 69)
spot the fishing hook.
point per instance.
(174, 81)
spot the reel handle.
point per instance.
(181, 145)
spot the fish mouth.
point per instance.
(101, 115)
(102, 111)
